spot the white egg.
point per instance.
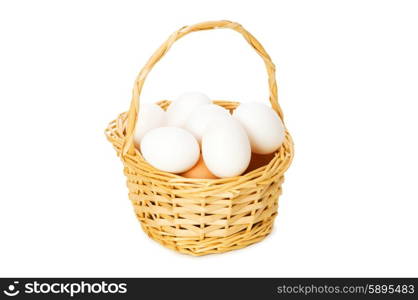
(179, 110)
(263, 126)
(150, 116)
(170, 149)
(203, 116)
(226, 149)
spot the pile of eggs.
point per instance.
(198, 139)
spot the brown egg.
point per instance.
(199, 171)
(258, 160)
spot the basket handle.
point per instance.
(139, 82)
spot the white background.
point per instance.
(348, 85)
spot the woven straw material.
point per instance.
(201, 216)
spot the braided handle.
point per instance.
(139, 82)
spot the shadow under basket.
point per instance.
(201, 216)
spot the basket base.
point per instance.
(210, 245)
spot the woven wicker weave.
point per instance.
(201, 216)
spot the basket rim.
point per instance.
(116, 134)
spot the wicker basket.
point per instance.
(201, 216)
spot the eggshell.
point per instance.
(259, 160)
(226, 148)
(170, 149)
(179, 110)
(199, 171)
(264, 127)
(203, 116)
(150, 116)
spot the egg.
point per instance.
(226, 148)
(259, 160)
(200, 170)
(203, 116)
(179, 110)
(263, 126)
(170, 149)
(150, 116)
